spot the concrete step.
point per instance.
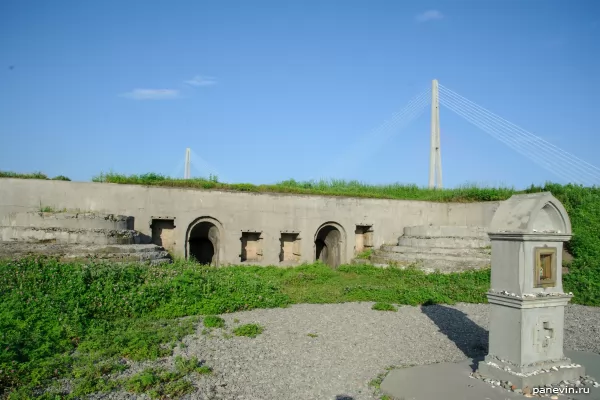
(81, 252)
(443, 242)
(427, 231)
(432, 262)
(69, 220)
(394, 256)
(67, 235)
(455, 251)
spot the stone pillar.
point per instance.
(526, 296)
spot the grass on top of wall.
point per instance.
(33, 175)
(332, 187)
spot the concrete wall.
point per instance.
(234, 212)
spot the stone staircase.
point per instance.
(76, 236)
(443, 248)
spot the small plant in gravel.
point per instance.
(249, 330)
(158, 383)
(213, 321)
(190, 365)
(313, 335)
(376, 383)
(383, 307)
(236, 321)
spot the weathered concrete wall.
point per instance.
(234, 212)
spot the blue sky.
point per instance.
(264, 91)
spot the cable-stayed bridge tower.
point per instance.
(186, 171)
(435, 156)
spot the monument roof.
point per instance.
(531, 213)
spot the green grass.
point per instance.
(364, 255)
(333, 187)
(248, 330)
(159, 383)
(384, 307)
(190, 365)
(82, 321)
(33, 175)
(213, 321)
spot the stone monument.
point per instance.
(526, 295)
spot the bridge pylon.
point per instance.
(435, 155)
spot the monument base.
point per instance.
(542, 377)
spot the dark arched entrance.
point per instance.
(203, 241)
(328, 245)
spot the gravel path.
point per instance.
(353, 345)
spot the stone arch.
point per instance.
(203, 240)
(330, 240)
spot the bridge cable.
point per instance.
(368, 144)
(501, 136)
(470, 111)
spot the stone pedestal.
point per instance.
(526, 295)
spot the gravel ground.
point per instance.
(354, 344)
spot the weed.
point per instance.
(159, 383)
(213, 321)
(312, 335)
(190, 365)
(236, 321)
(364, 255)
(376, 383)
(249, 330)
(383, 307)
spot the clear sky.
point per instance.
(264, 91)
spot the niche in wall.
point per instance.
(363, 238)
(290, 247)
(163, 232)
(252, 250)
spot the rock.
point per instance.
(526, 390)
(518, 390)
(513, 388)
(554, 397)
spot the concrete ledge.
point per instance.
(461, 251)
(82, 252)
(69, 220)
(65, 235)
(446, 231)
(528, 302)
(448, 242)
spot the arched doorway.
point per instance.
(203, 241)
(329, 244)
